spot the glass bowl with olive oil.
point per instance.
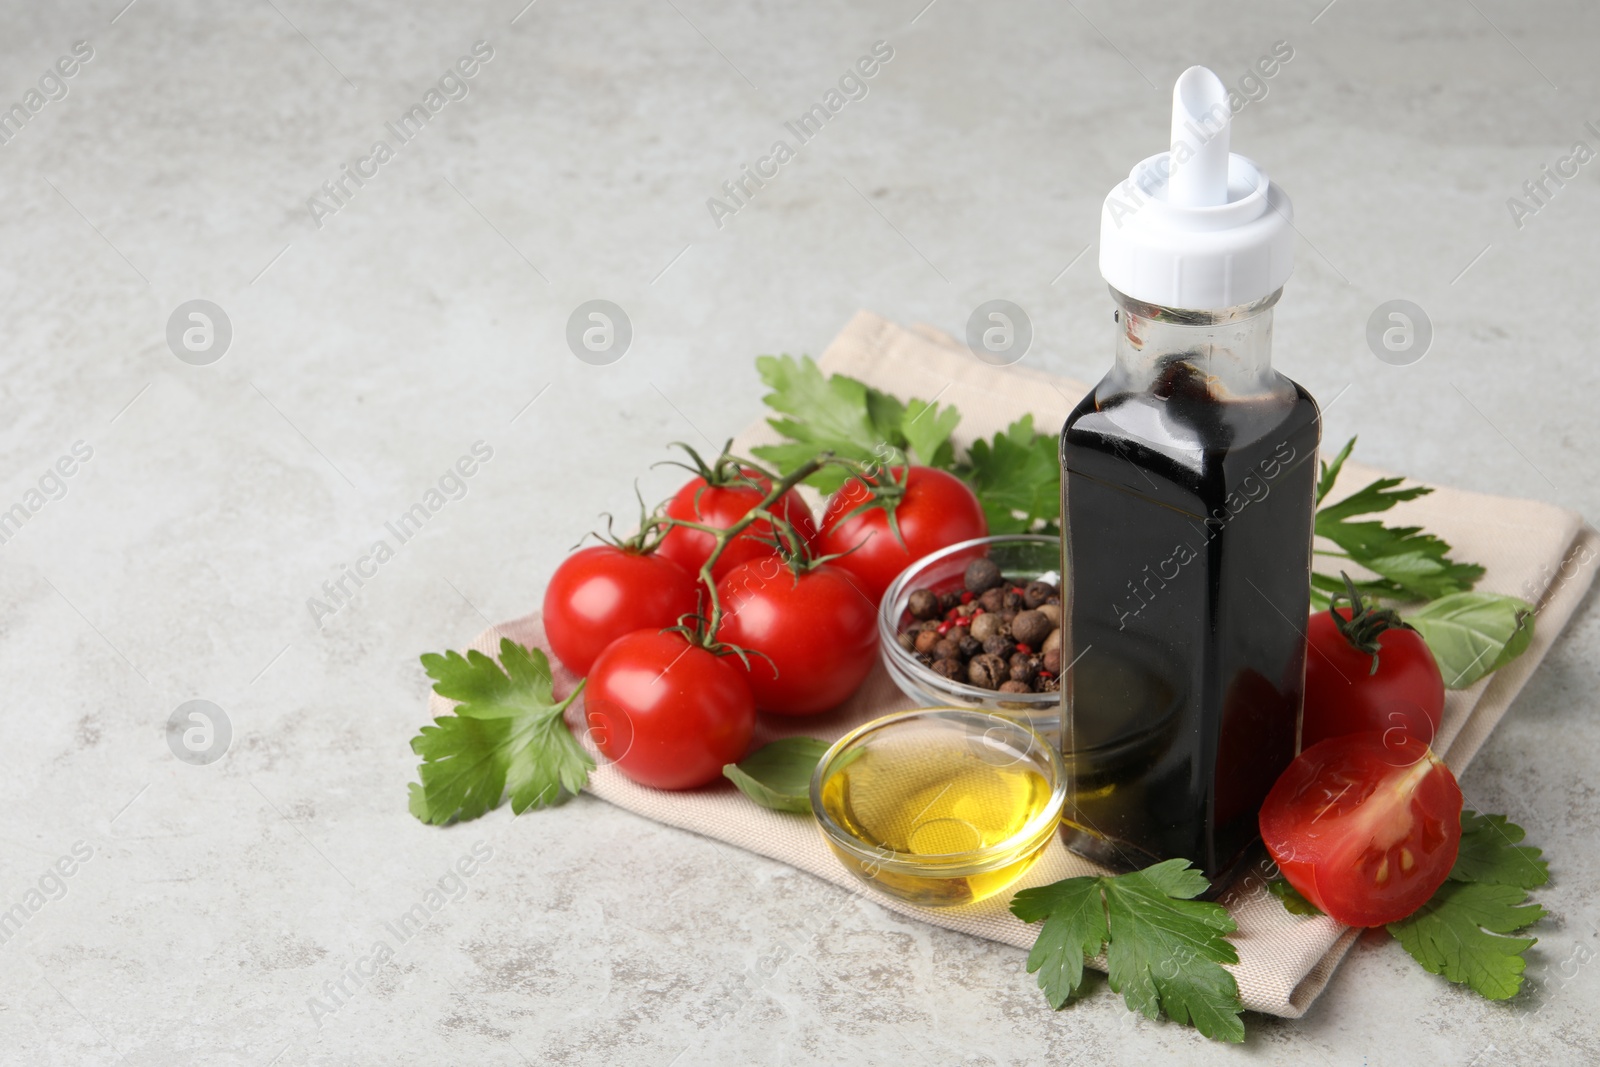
(939, 806)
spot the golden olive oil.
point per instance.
(925, 805)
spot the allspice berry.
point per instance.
(924, 604)
(1014, 686)
(992, 600)
(1037, 593)
(926, 640)
(1000, 645)
(982, 574)
(1030, 628)
(986, 626)
(1051, 611)
(1053, 641)
(1051, 660)
(953, 669)
(946, 649)
(988, 671)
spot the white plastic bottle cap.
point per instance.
(1196, 226)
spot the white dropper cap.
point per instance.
(1196, 226)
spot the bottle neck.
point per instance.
(1228, 352)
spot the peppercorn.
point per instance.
(1013, 686)
(1051, 611)
(1012, 601)
(952, 668)
(907, 640)
(958, 632)
(1037, 593)
(926, 640)
(946, 649)
(1023, 668)
(923, 604)
(1000, 645)
(948, 602)
(987, 671)
(981, 575)
(1053, 641)
(986, 626)
(1030, 628)
(970, 646)
(992, 599)
(1051, 660)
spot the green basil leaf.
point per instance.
(778, 776)
(1472, 634)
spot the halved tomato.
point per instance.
(1365, 826)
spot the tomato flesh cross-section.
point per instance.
(1365, 826)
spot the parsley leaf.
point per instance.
(847, 417)
(778, 775)
(1491, 852)
(1164, 950)
(1017, 477)
(1410, 564)
(1293, 902)
(1462, 932)
(507, 735)
(927, 429)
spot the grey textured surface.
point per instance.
(369, 353)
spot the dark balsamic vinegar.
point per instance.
(1188, 516)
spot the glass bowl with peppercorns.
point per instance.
(978, 625)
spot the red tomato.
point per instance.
(817, 629)
(602, 592)
(937, 511)
(1365, 826)
(722, 506)
(1344, 695)
(669, 714)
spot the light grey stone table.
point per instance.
(374, 337)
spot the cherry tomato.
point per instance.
(722, 506)
(1366, 826)
(669, 714)
(602, 592)
(937, 511)
(1344, 695)
(816, 632)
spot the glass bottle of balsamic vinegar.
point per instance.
(1188, 481)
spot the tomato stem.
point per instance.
(785, 533)
(1366, 622)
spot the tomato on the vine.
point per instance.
(1367, 670)
(932, 510)
(1366, 826)
(668, 713)
(721, 501)
(602, 592)
(812, 637)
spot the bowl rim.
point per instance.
(951, 864)
(889, 629)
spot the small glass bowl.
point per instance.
(1024, 556)
(939, 806)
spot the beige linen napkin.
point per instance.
(1534, 550)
